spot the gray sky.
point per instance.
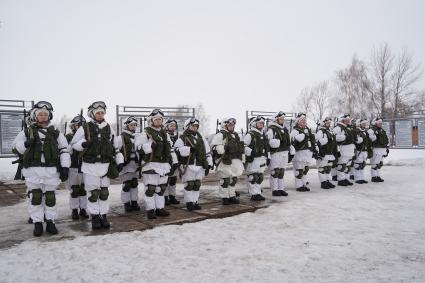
(228, 55)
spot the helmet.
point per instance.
(41, 106)
(189, 122)
(254, 120)
(96, 106)
(155, 114)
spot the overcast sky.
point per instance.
(229, 55)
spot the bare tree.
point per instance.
(353, 89)
(403, 79)
(202, 116)
(381, 64)
(320, 100)
(304, 100)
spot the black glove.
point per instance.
(192, 149)
(120, 167)
(64, 173)
(207, 171)
(291, 156)
(29, 142)
(268, 161)
(86, 144)
(315, 155)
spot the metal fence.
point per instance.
(180, 114)
(268, 115)
(406, 132)
(11, 123)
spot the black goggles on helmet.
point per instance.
(156, 112)
(44, 104)
(171, 121)
(98, 104)
(193, 120)
(280, 114)
(78, 120)
(259, 119)
(130, 120)
(299, 115)
(230, 121)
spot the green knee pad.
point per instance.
(299, 174)
(197, 185)
(75, 191)
(37, 196)
(225, 182)
(281, 173)
(50, 198)
(150, 191)
(127, 186)
(163, 187)
(327, 169)
(190, 186)
(94, 195)
(234, 181)
(172, 181)
(104, 193)
(83, 191)
(134, 183)
(306, 169)
(260, 178)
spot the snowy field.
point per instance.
(367, 233)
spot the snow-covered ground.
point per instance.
(368, 233)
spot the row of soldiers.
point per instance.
(92, 154)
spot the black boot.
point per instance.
(303, 189)
(359, 182)
(283, 193)
(83, 213)
(324, 185)
(342, 183)
(190, 206)
(197, 206)
(379, 179)
(161, 212)
(95, 222)
(75, 214)
(104, 222)
(127, 207)
(51, 227)
(30, 220)
(167, 200)
(233, 200)
(225, 201)
(151, 214)
(351, 177)
(374, 180)
(276, 193)
(135, 206)
(330, 185)
(348, 182)
(256, 198)
(173, 200)
(38, 229)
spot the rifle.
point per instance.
(216, 127)
(20, 160)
